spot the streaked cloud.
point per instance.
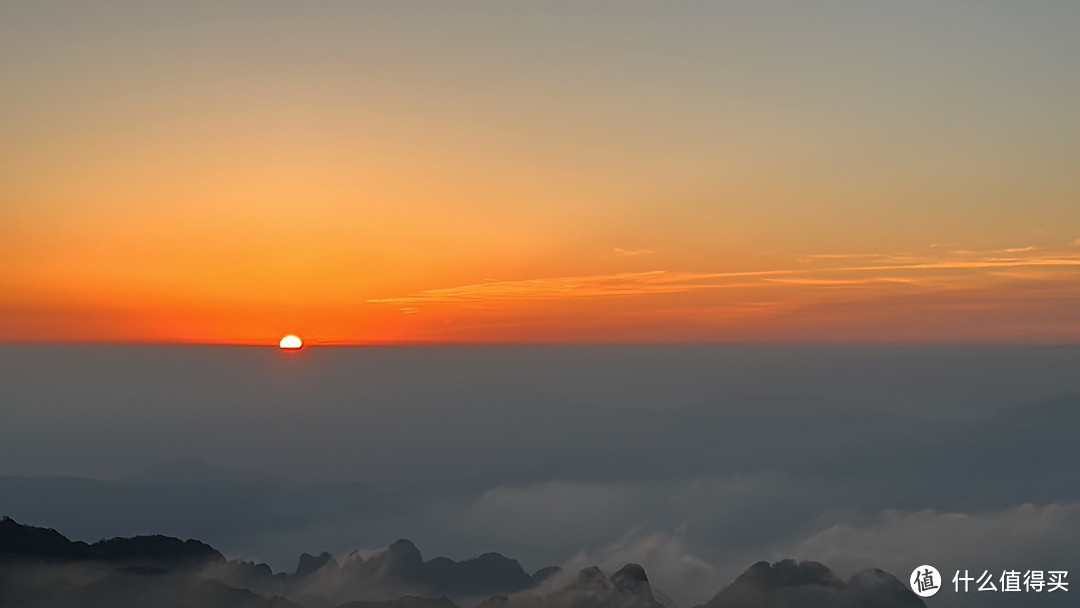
(899, 269)
(807, 259)
(588, 286)
(985, 263)
(627, 253)
(811, 282)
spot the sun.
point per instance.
(291, 342)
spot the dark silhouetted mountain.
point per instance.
(397, 571)
(310, 564)
(627, 588)
(401, 567)
(16, 538)
(631, 579)
(544, 574)
(165, 550)
(791, 584)
(483, 575)
(40, 568)
(400, 562)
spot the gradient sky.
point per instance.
(228, 172)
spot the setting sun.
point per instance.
(290, 342)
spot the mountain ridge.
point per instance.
(41, 568)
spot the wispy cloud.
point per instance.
(840, 256)
(985, 263)
(812, 282)
(588, 286)
(629, 253)
(903, 269)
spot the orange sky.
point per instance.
(388, 173)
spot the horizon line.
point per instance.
(458, 344)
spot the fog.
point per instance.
(695, 461)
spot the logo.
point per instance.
(925, 581)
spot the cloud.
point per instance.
(985, 263)
(568, 447)
(806, 259)
(672, 568)
(808, 584)
(586, 286)
(1026, 536)
(810, 282)
(897, 269)
(626, 253)
(585, 516)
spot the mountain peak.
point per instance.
(32, 540)
(403, 557)
(310, 564)
(632, 586)
(631, 573)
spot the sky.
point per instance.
(477, 172)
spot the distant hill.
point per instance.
(791, 584)
(155, 550)
(41, 568)
(627, 588)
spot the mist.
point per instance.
(694, 461)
